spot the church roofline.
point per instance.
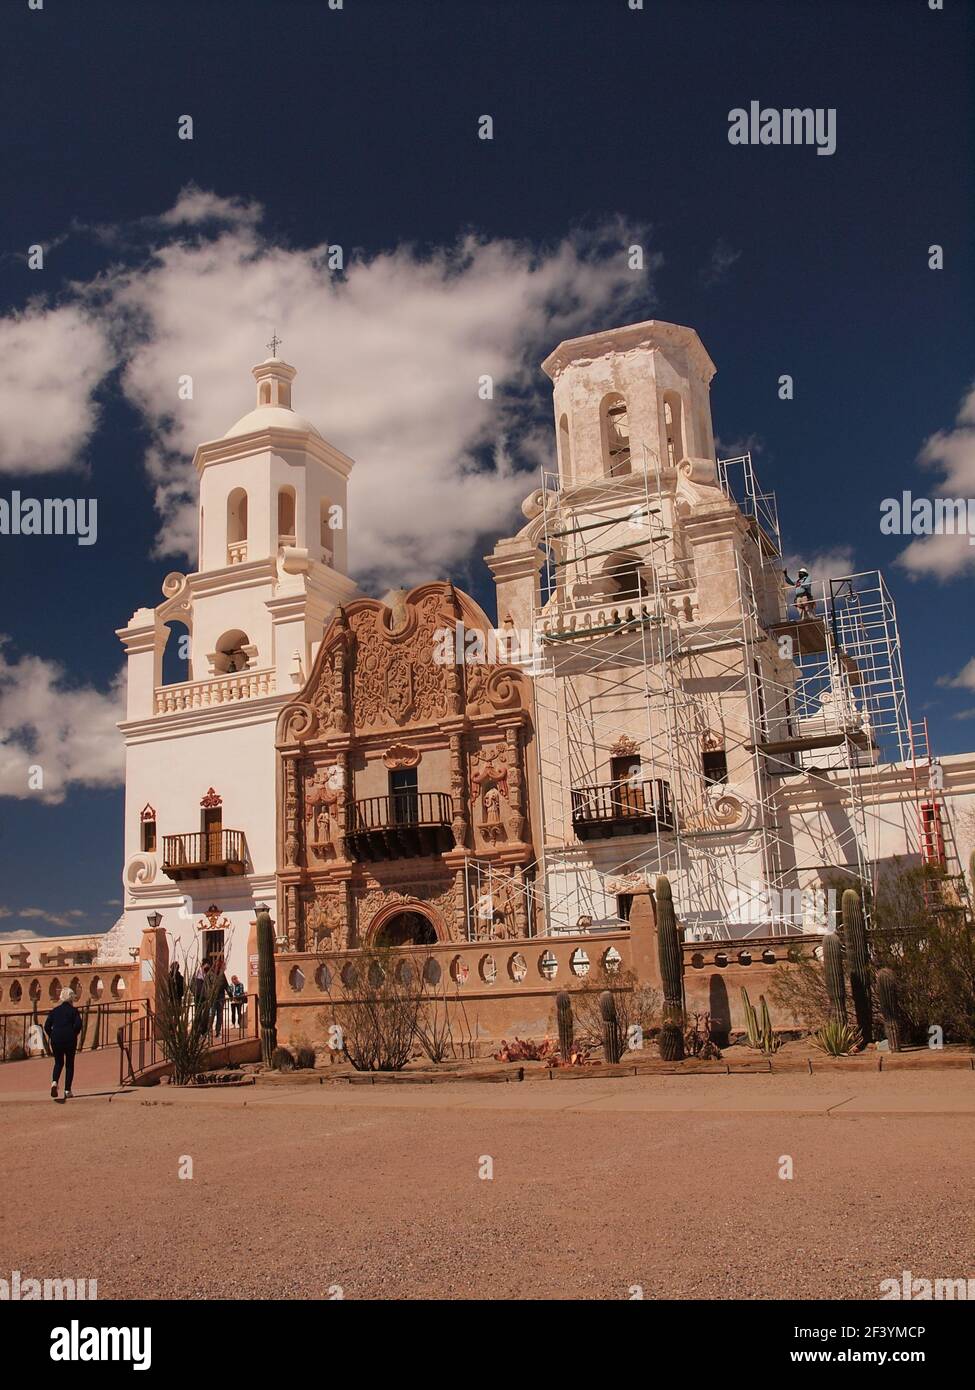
(272, 437)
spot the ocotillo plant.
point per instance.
(267, 991)
(612, 1041)
(563, 1010)
(835, 982)
(889, 1001)
(859, 957)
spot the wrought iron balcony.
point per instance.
(402, 826)
(204, 854)
(622, 808)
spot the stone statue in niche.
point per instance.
(489, 785)
(321, 798)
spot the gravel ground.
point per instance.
(290, 1198)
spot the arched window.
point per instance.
(148, 821)
(265, 393)
(237, 526)
(565, 450)
(328, 519)
(232, 653)
(616, 436)
(286, 516)
(176, 665)
(673, 428)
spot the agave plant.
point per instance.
(838, 1039)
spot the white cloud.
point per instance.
(195, 205)
(823, 564)
(952, 452)
(390, 356)
(964, 680)
(53, 358)
(68, 731)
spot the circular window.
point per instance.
(406, 974)
(721, 958)
(296, 979)
(548, 966)
(76, 987)
(97, 987)
(35, 989)
(768, 956)
(323, 977)
(697, 960)
(349, 975)
(54, 988)
(488, 969)
(376, 975)
(459, 970)
(579, 962)
(744, 957)
(517, 967)
(432, 972)
(118, 987)
(16, 992)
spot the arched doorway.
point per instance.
(406, 928)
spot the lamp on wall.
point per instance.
(154, 919)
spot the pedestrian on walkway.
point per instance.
(62, 1026)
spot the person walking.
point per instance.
(62, 1026)
(219, 991)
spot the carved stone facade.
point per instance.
(402, 776)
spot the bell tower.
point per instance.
(629, 397)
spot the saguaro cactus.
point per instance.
(671, 959)
(835, 982)
(889, 1000)
(267, 991)
(563, 1010)
(612, 1041)
(859, 956)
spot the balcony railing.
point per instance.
(622, 808)
(403, 825)
(204, 854)
(222, 690)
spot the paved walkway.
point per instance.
(927, 1093)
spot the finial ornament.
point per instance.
(274, 344)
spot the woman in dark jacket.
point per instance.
(62, 1026)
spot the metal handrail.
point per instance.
(15, 1027)
(140, 1046)
(623, 799)
(203, 847)
(402, 808)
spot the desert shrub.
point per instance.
(305, 1057)
(282, 1059)
(182, 1023)
(799, 990)
(379, 1011)
(17, 1053)
(637, 1005)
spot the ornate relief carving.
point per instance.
(211, 800)
(399, 755)
(292, 825)
(398, 679)
(326, 921)
(625, 747)
(323, 801)
(496, 913)
(438, 894)
(491, 688)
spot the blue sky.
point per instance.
(358, 128)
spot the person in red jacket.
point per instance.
(62, 1026)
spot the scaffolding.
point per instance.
(703, 694)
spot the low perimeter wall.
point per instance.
(504, 989)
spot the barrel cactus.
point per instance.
(889, 1000)
(612, 1039)
(835, 982)
(670, 1041)
(267, 991)
(855, 931)
(563, 1010)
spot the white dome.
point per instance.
(268, 417)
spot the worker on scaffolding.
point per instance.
(803, 594)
